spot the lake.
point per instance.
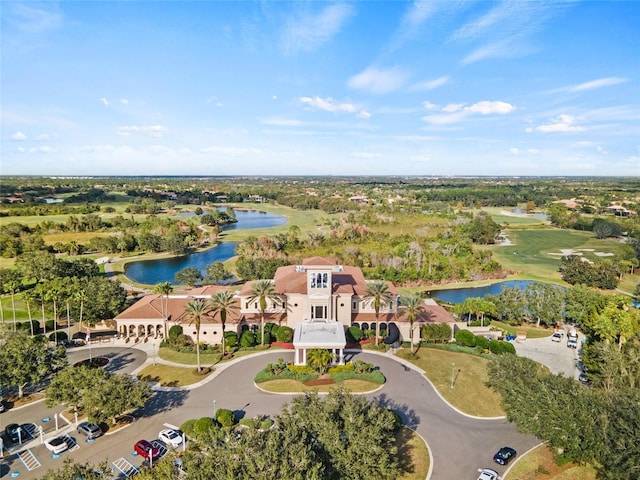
(151, 272)
(458, 295)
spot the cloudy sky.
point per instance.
(320, 88)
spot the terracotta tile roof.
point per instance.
(371, 317)
(319, 261)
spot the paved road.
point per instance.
(555, 355)
(459, 444)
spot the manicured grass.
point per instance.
(501, 215)
(414, 455)
(470, 393)
(539, 463)
(170, 376)
(532, 330)
(285, 385)
(206, 357)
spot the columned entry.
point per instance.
(328, 335)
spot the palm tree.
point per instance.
(412, 305)
(196, 310)
(263, 291)
(319, 359)
(223, 302)
(379, 295)
(12, 286)
(29, 296)
(164, 288)
(80, 296)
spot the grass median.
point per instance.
(468, 375)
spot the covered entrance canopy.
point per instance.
(328, 335)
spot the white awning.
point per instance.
(319, 335)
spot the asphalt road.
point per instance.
(459, 444)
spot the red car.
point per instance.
(146, 450)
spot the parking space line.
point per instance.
(71, 442)
(29, 460)
(124, 467)
(162, 448)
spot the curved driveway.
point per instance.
(459, 444)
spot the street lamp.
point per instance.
(214, 409)
(453, 373)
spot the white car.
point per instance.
(556, 337)
(171, 437)
(488, 474)
(56, 445)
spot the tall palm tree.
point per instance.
(164, 288)
(378, 295)
(412, 305)
(12, 287)
(29, 296)
(223, 302)
(263, 291)
(196, 310)
(80, 296)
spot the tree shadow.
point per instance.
(407, 414)
(163, 402)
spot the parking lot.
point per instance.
(555, 355)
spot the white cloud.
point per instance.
(487, 107)
(41, 150)
(18, 137)
(43, 137)
(328, 104)
(34, 20)
(282, 122)
(429, 106)
(306, 31)
(562, 123)
(599, 83)
(430, 84)
(378, 81)
(104, 101)
(514, 150)
(155, 131)
(452, 107)
(533, 151)
(456, 112)
(124, 101)
(363, 114)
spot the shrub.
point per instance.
(183, 340)
(495, 346)
(347, 367)
(435, 332)
(55, 336)
(266, 424)
(174, 332)
(267, 337)
(247, 339)
(508, 347)
(304, 369)
(373, 377)
(230, 339)
(187, 427)
(203, 426)
(51, 324)
(271, 328)
(284, 334)
(362, 367)
(466, 337)
(482, 342)
(276, 368)
(354, 334)
(225, 417)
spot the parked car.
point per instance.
(89, 430)
(146, 449)
(572, 339)
(171, 437)
(1, 407)
(56, 445)
(582, 378)
(504, 455)
(557, 337)
(14, 432)
(488, 474)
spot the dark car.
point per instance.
(14, 432)
(89, 430)
(504, 455)
(146, 449)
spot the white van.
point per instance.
(572, 339)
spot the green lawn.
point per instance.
(532, 330)
(539, 463)
(285, 385)
(501, 216)
(470, 378)
(170, 376)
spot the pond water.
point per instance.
(458, 295)
(151, 272)
(543, 216)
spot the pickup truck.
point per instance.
(572, 339)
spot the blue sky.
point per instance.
(320, 88)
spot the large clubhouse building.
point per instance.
(318, 299)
